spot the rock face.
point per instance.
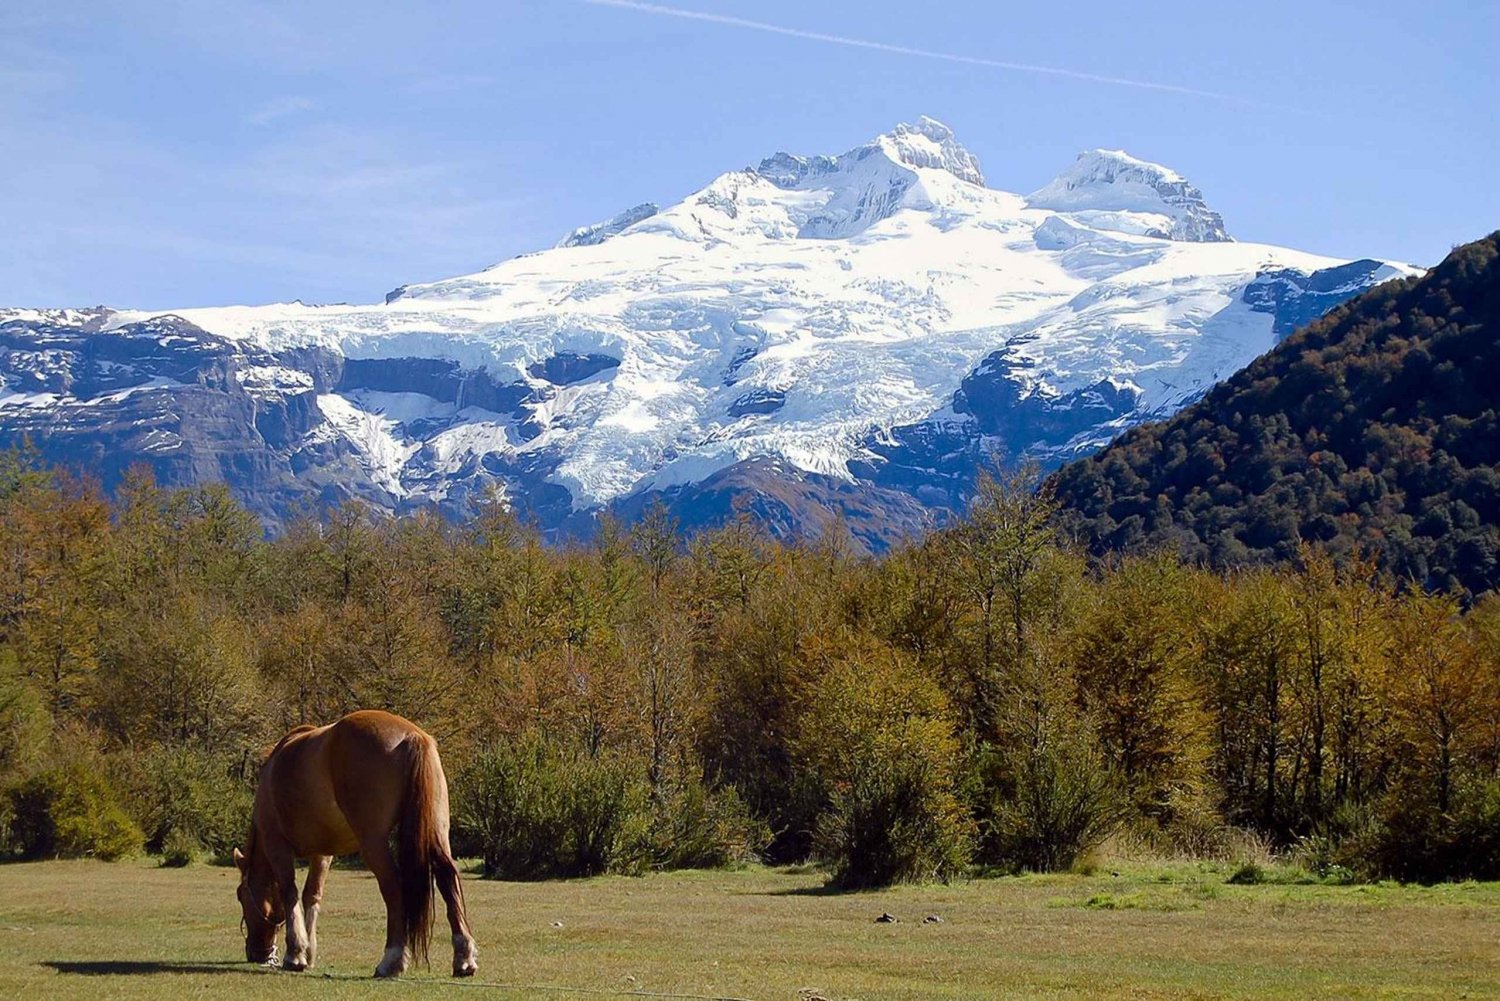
(854, 334)
(1296, 299)
(588, 236)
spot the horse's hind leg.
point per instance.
(465, 955)
(312, 897)
(377, 856)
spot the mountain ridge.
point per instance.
(879, 317)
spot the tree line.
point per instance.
(987, 699)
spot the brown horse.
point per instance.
(340, 789)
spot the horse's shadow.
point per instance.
(136, 967)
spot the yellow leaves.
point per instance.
(1443, 690)
(868, 701)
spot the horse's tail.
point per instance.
(420, 842)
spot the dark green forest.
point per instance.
(988, 699)
(1371, 431)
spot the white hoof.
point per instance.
(465, 956)
(392, 964)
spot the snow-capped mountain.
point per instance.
(861, 330)
(1111, 190)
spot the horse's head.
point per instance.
(260, 910)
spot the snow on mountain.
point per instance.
(838, 315)
(1111, 190)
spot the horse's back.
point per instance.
(379, 727)
(328, 789)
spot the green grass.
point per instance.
(131, 930)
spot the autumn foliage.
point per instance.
(984, 700)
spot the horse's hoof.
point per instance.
(294, 963)
(392, 964)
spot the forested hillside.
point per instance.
(1372, 430)
(982, 700)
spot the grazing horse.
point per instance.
(340, 789)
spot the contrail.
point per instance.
(905, 50)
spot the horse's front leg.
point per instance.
(285, 868)
(312, 897)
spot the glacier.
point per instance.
(872, 326)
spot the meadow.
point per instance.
(84, 929)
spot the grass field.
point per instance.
(129, 930)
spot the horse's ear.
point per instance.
(239, 860)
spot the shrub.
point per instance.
(1192, 827)
(705, 829)
(1051, 803)
(179, 849)
(25, 726)
(69, 811)
(1415, 841)
(186, 800)
(895, 823)
(530, 811)
(877, 739)
(8, 836)
(1329, 854)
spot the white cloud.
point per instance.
(663, 10)
(279, 108)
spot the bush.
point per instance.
(704, 829)
(530, 811)
(1050, 804)
(69, 811)
(1415, 841)
(896, 823)
(1326, 856)
(25, 726)
(877, 740)
(186, 801)
(179, 849)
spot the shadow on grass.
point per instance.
(134, 967)
(821, 890)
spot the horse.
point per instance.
(341, 789)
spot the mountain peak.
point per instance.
(859, 188)
(1112, 182)
(930, 143)
(1097, 161)
(874, 322)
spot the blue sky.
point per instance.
(161, 153)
